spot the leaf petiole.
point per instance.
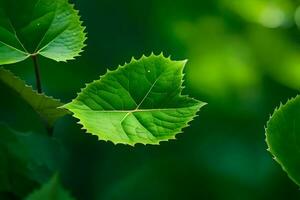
(37, 74)
(37, 71)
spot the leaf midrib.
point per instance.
(17, 38)
(16, 49)
(38, 48)
(134, 110)
(145, 97)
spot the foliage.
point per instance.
(51, 190)
(140, 102)
(39, 27)
(283, 134)
(45, 106)
(243, 60)
(27, 159)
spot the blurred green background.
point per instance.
(244, 59)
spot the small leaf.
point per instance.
(283, 137)
(51, 28)
(52, 190)
(140, 102)
(46, 107)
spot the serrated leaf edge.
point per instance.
(200, 103)
(83, 34)
(269, 149)
(43, 95)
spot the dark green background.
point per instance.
(244, 59)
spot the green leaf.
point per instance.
(283, 137)
(140, 102)
(13, 164)
(52, 190)
(46, 107)
(51, 28)
(27, 159)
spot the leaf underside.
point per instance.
(139, 102)
(46, 107)
(283, 137)
(51, 28)
(52, 190)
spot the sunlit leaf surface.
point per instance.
(139, 102)
(51, 28)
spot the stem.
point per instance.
(39, 87)
(37, 74)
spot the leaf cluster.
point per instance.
(139, 102)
